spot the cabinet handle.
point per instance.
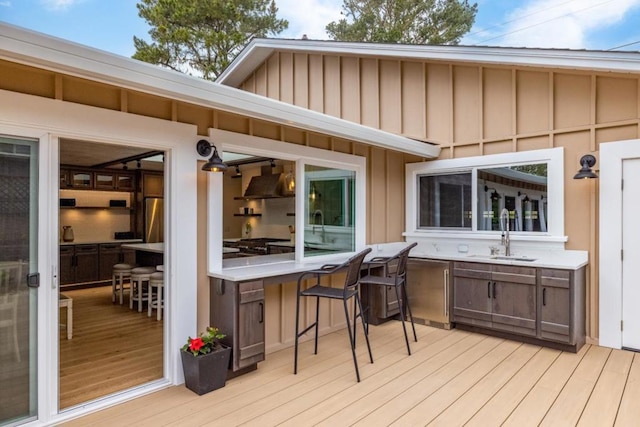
(261, 313)
(488, 289)
(446, 292)
(494, 290)
(544, 296)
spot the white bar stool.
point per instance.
(139, 275)
(120, 272)
(156, 282)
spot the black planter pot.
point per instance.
(207, 372)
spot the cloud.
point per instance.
(554, 24)
(308, 17)
(59, 4)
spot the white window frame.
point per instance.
(554, 157)
(301, 155)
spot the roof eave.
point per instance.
(603, 61)
(35, 49)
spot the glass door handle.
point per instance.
(33, 280)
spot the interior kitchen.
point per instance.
(111, 221)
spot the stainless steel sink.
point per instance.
(504, 258)
(513, 258)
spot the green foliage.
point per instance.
(205, 343)
(539, 169)
(202, 37)
(404, 21)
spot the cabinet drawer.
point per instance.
(555, 278)
(472, 270)
(86, 249)
(514, 274)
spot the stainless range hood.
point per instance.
(265, 186)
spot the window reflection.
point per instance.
(522, 190)
(329, 210)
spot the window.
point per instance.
(468, 195)
(329, 210)
(445, 201)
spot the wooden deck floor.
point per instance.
(453, 378)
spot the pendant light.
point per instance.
(215, 163)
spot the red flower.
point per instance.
(195, 344)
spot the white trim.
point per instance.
(35, 49)
(258, 50)
(612, 155)
(236, 142)
(555, 176)
(31, 116)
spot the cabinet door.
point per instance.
(128, 256)
(472, 301)
(81, 179)
(109, 256)
(152, 185)
(65, 178)
(67, 265)
(555, 305)
(87, 265)
(250, 328)
(125, 182)
(104, 181)
(514, 299)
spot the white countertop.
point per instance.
(97, 242)
(146, 247)
(569, 260)
(251, 268)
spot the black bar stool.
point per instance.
(349, 290)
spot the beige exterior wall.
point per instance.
(385, 182)
(469, 110)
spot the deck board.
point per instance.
(452, 378)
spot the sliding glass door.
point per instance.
(18, 249)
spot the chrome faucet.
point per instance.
(313, 228)
(504, 227)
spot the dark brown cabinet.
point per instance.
(540, 303)
(79, 264)
(562, 312)
(107, 180)
(111, 254)
(152, 185)
(500, 297)
(238, 310)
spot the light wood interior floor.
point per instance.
(452, 378)
(112, 349)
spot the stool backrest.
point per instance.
(354, 264)
(403, 257)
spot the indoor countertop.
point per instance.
(96, 242)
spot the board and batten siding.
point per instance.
(469, 109)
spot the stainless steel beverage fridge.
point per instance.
(429, 291)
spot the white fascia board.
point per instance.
(35, 49)
(606, 61)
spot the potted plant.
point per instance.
(205, 361)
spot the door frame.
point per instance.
(48, 120)
(612, 155)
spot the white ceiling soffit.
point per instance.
(40, 50)
(260, 49)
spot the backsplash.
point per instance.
(91, 225)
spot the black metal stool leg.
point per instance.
(365, 328)
(295, 358)
(406, 302)
(351, 339)
(401, 305)
(315, 349)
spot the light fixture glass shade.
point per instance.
(290, 182)
(587, 162)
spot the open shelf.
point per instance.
(263, 197)
(253, 214)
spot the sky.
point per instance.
(575, 24)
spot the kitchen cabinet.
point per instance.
(379, 302)
(237, 309)
(541, 304)
(152, 185)
(111, 254)
(106, 180)
(278, 249)
(79, 264)
(500, 297)
(114, 181)
(562, 311)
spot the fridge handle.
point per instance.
(446, 292)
